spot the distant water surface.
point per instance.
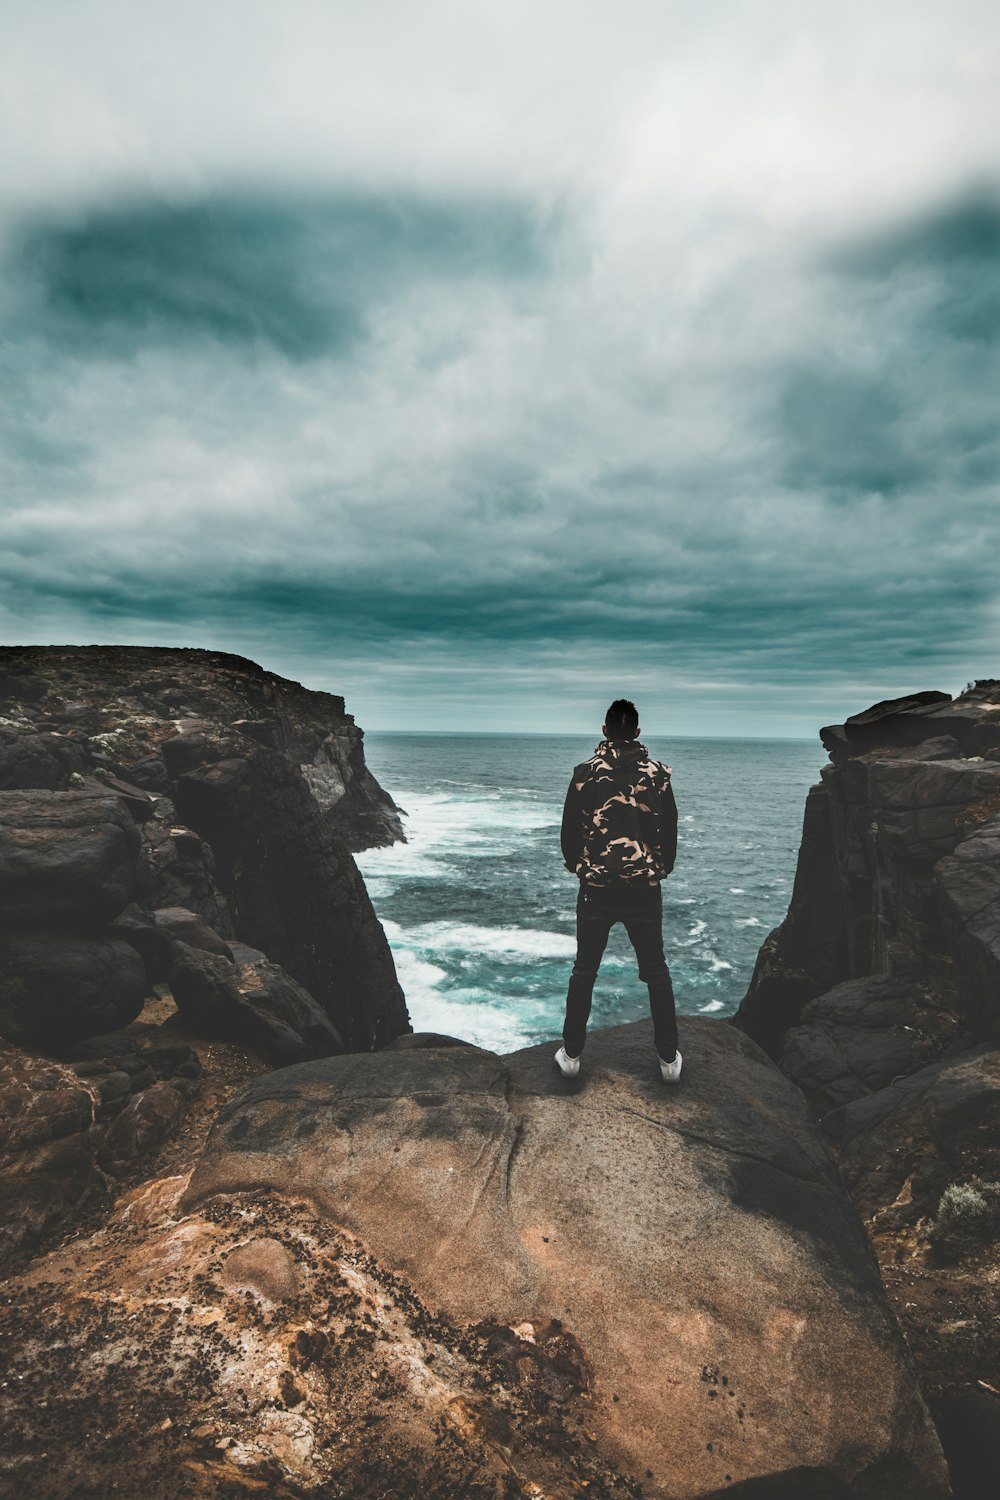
(479, 909)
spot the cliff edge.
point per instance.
(880, 996)
(435, 1271)
(178, 902)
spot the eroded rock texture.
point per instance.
(898, 876)
(247, 791)
(69, 1131)
(446, 1273)
(880, 995)
(160, 842)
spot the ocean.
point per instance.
(479, 909)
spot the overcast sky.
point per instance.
(484, 362)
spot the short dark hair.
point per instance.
(622, 720)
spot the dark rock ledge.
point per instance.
(880, 996)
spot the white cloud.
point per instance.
(667, 414)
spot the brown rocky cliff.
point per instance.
(442, 1273)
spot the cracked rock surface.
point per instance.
(694, 1244)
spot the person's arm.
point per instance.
(571, 834)
(668, 828)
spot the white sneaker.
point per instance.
(671, 1071)
(569, 1066)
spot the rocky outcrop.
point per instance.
(248, 999)
(160, 844)
(67, 1130)
(246, 791)
(441, 1272)
(915, 1138)
(67, 859)
(880, 995)
(69, 862)
(56, 989)
(897, 875)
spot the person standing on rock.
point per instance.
(619, 836)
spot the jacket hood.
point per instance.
(624, 751)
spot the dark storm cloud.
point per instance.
(297, 273)
(951, 258)
(842, 431)
(896, 394)
(719, 429)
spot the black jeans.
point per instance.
(641, 914)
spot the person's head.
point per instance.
(621, 722)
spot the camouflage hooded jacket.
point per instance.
(620, 818)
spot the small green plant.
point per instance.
(964, 1202)
(967, 1210)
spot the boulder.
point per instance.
(973, 720)
(141, 1063)
(47, 1158)
(56, 988)
(853, 1040)
(37, 760)
(21, 685)
(254, 1350)
(252, 1001)
(414, 1041)
(150, 774)
(920, 1134)
(137, 799)
(174, 922)
(152, 935)
(135, 926)
(66, 859)
(691, 1251)
(147, 1121)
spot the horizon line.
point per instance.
(570, 734)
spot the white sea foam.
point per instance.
(442, 828)
(748, 922)
(403, 862)
(465, 1013)
(710, 1006)
(468, 937)
(416, 975)
(719, 965)
(462, 1013)
(736, 890)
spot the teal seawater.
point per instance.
(479, 909)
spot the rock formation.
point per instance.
(434, 1271)
(880, 996)
(172, 823)
(245, 786)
